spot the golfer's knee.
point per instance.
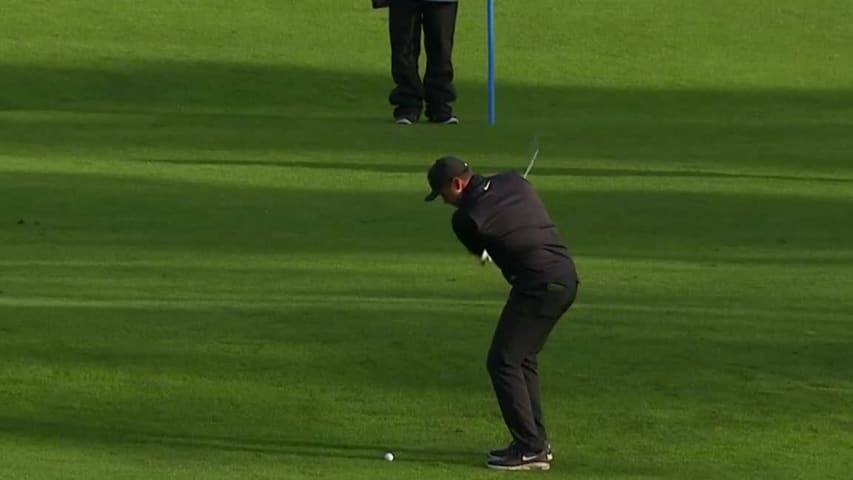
(498, 361)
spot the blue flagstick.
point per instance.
(490, 25)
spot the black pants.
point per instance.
(437, 20)
(525, 323)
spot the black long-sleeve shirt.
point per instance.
(503, 215)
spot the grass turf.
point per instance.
(216, 262)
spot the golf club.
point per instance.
(534, 152)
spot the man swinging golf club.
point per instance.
(502, 217)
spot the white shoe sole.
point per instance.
(526, 466)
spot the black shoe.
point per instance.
(445, 120)
(406, 116)
(405, 119)
(502, 452)
(520, 459)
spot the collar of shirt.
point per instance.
(474, 189)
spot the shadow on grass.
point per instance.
(209, 105)
(311, 349)
(118, 434)
(115, 212)
(540, 170)
(315, 451)
(211, 370)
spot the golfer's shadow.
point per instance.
(316, 449)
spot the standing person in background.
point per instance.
(437, 20)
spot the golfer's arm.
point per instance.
(467, 233)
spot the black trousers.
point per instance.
(406, 20)
(525, 323)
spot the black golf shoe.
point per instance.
(518, 458)
(502, 452)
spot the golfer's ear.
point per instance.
(457, 184)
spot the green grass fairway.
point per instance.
(215, 260)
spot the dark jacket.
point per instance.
(503, 215)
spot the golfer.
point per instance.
(503, 216)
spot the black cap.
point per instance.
(441, 172)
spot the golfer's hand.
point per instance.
(485, 258)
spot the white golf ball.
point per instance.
(389, 456)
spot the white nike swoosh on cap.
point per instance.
(488, 184)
